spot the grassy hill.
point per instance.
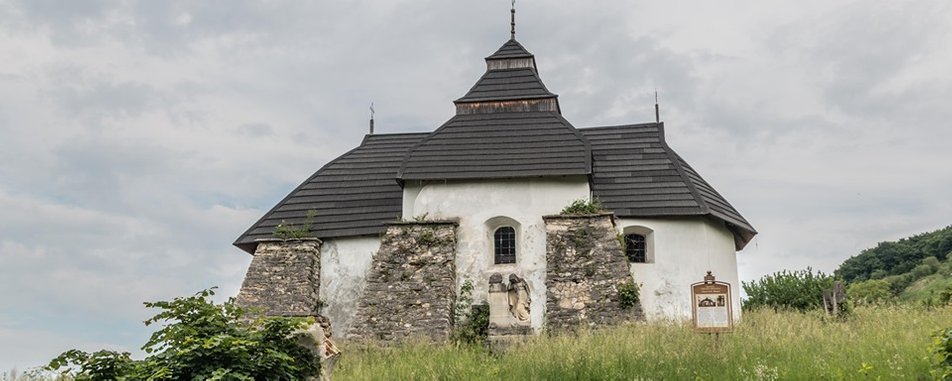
(914, 269)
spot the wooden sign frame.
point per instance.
(719, 300)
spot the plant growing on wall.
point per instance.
(286, 230)
(629, 294)
(471, 321)
(582, 207)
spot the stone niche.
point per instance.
(411, 284)
(284, 278)
(585, 264)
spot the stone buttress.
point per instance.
(585, 264)
(284, 278)
(411, 284)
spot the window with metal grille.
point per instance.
(635, 248)
(504, 240)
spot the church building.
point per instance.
(382, 239)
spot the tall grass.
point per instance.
(887, 342)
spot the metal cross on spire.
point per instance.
(513, 22)
(371, 118)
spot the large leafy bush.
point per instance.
(800, 290)
(202, 340)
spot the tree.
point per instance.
(871, 291)
(800, 290)
(202, 340)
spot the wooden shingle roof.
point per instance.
(507, 126)
(510, 49)
(507, 84)
(499, 145)
(352, 195)
(636, 174)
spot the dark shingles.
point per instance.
(510, 49)
(499, 145)
(352, 195)
(636, 174)
(508, 84)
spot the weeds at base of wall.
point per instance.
(470, 321)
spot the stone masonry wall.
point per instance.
(284, 278)
(585, 264)
(411, 285)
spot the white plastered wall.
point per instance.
(344, 266)
(681, 251)
(478, 205)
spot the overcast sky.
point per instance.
(139, 139)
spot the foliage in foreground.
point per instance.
(801, 290)
(888, 343)
(202, 340)
(942, 349)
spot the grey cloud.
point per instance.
(255, 129)
(150, 134)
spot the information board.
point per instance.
(712, 307)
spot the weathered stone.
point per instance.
(585, 265)
(411, 285)
(284, 278)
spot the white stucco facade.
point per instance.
(481, 207)
(680, 252)
(344, 266)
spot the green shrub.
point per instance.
(580, 207)
(871, 291)
(474, 328)
(942, 349)
(471, 321)
(629, 294)
(202, 340)
(800, 290)
(945, 297)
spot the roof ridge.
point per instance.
(675, 160)
(620, 126)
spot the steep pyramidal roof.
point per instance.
(509, 125)
(511, 49)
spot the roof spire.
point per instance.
(657, 111)
(512, 32)
(371, 118)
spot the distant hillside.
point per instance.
(918, 268)
(896, 257)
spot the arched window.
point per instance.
(635, 248)
(504, 242)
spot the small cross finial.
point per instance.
(371, 118)
(512, 32)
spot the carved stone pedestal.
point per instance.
(505, 303)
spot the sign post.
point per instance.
(711, 301)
